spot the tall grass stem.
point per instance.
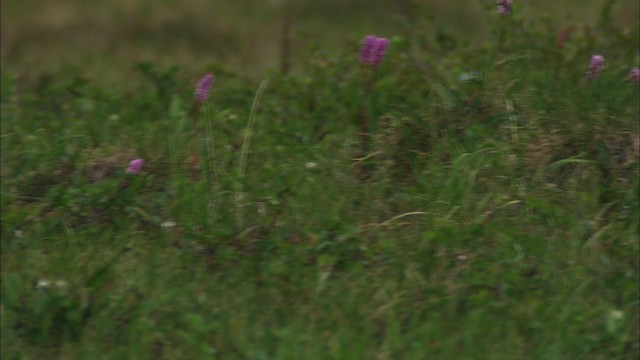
(244, 152)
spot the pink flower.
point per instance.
(504, 6)
(135, 166)
(380, 50)
(373, 50)
(595, 67)
(634, 75)
(203, 88)
(597, 63)
(366, 52)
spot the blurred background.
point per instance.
(102, 39)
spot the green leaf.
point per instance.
(8, 296)
(99, 276)
(448, 98)
(563, 162)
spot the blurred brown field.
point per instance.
(101, 39)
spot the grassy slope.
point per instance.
(494, 218)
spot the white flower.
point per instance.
(168, 224)
(43, 284)
(616, 314)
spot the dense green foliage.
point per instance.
(493, 215)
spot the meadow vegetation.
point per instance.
(490, 210)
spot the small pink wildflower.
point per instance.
(373, 50)
(135, 166)
(634, 75)
(366, 51)
(504, 7)
(595, 67)
(381, 50)
(203, 88)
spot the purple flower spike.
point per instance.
(366, 52)
(373, 50)
(595, 66)
(380, 50)
(135, 166)
(634, 75)
(504, 7)
(597, 63)
(203, 88)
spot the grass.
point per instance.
(494, 214)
